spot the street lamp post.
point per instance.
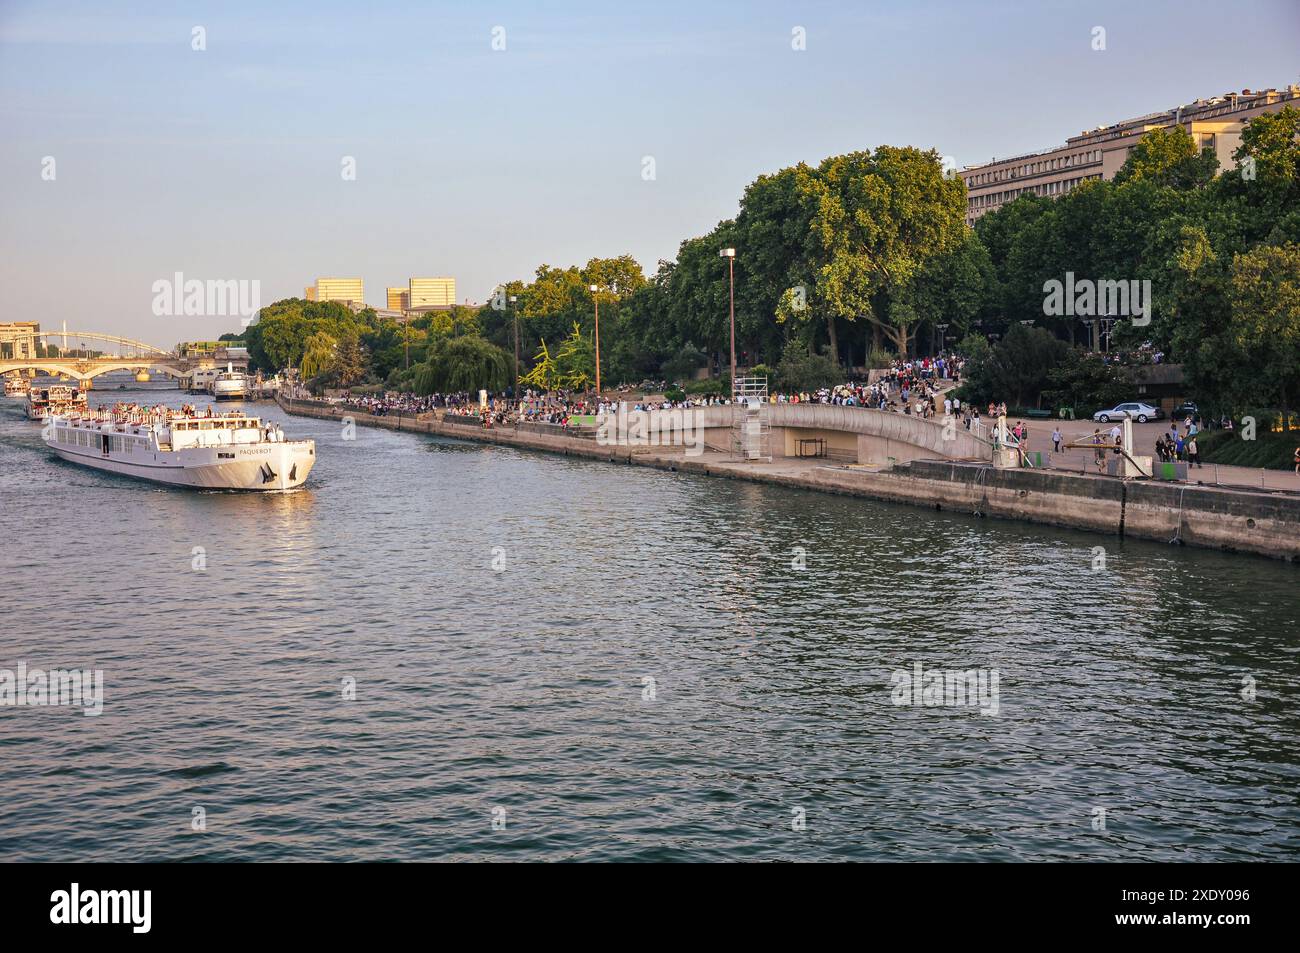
(514, 311)
(596, 297)
(730, 255)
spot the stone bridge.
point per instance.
(142, 357)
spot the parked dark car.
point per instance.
(1184, 410)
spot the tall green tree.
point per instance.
(1169, 157)
(463, 364)
(1265, 303)
(320, 355)
(881, 216)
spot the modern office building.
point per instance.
(1214, 124)
(431, 292)
(340, 289)
(399, 299)
(309, 293)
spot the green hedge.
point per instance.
(1273, 451)
(707, 386)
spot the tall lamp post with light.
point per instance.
(514, 313)
(596, 297)
(730, 255)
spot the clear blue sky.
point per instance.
(225, 164)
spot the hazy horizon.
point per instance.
(481, 163)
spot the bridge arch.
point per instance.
(87, 370)
(50, 336)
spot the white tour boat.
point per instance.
(225, 451)
(16, 386)
(46, 402)
(228, 385)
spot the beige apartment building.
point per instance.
(1214, 123)
(431, 293)
(399, 299)
(340, 289)
(18, 338)
(309, 293)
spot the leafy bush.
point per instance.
(880, 358)
(798, 370)
(1015, 370)
(674, 394)
(707, 386)
(1086, 383)
(683, 365)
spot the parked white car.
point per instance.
(1136, 410)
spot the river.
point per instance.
(445, 650)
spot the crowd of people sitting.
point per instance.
(907, 387)
(381, 405)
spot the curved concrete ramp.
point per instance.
(881, 436)
(851, 434)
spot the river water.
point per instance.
(442, 650)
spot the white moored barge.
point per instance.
(226, 451)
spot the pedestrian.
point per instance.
(1098, 440)
(1056, 439)
(1193, 454)
(1297, 461)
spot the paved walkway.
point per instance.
(1144, 439)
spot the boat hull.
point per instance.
(276, 466)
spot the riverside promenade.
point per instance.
(1262, 522)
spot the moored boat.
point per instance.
(17, 386)
(228, 385)
(46, 402)
(202, 379)
(223, 451)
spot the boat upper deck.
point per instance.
(172, 429)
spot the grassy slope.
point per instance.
(1270, 450)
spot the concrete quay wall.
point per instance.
(1267, 524)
